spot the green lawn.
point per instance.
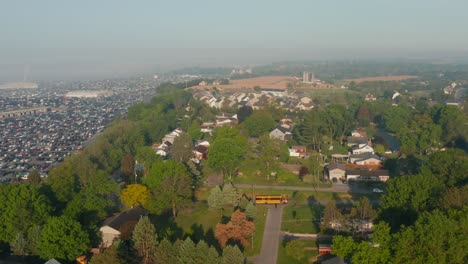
(259, 229)
(200, 223)
(283, 257)
(301, 219)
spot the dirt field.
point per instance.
(382, 78)
(277, 82)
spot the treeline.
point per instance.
(422, 217)
(144, 247)
(420, 130)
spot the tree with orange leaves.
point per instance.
(239, 228)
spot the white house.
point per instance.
(365, 149)
(280, 133)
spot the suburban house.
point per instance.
(281, 133)
(359, 132)
(370, 97)
(297, 151)
(200, 152)
(207, 127)
(171, 136)
(365, 149)
(367, 175)
(336, 171)
(120, 225)
(365, 159)
(357, 141)
(274, 92)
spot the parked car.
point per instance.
(377, 190)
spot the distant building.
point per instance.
(336, 171)
(274, 92)
(305, 77)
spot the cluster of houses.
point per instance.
(256, 100)
(200, 151)
(362, 163)
(221, 120)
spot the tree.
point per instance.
(396, 118)
(232, 255)
(110, 255)
(259, 122)
(230, 195)
(269, 153)
(295, 249)
(23, 207)
(243, 113)
(362, 213)
(239, 229)
(187, 253)
(363, 115)
(454, 198)
(128, 166)
(213, 256)
(171, 186)
(251, 210)
(182, 148)
(165, 252)
(407, 196)
(62, 238)
(34, 177)
(435, 238)
(19, 245)
(227, 151)
(332, 217)
(145, 239)
(453, 122)
(215, 199)
(201, 253)
(135, 195)
(376, 250)
(448, 166)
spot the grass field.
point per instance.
(301, 219)
(310, 253)
(258, 235)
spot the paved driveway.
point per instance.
(271, 236)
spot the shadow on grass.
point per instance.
(166, 227)
(199, 233)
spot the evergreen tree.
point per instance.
(230, 195)
(201, 254)
(213, 256)
(165, 252)
(215, 199)
(145, 239)
(232, 255)
(187, 253)
(251, 210)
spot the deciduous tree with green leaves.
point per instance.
(227, 151)
(62, 238)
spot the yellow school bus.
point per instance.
(271, 199)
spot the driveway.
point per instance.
(271, 236)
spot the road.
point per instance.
(271, 236)
(336, 188)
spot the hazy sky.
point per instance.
(70, 39)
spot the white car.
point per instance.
(377, 190)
